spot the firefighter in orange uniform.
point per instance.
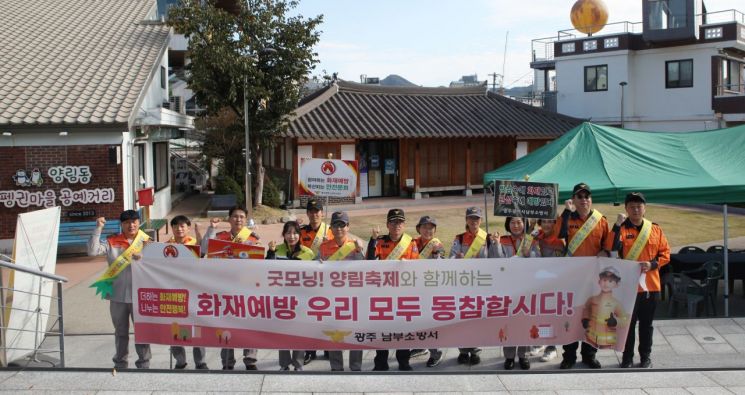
(342, 248)
(585, 231)
(238, 233)
(393, 246)
(181, 225)
(430, 247)
(473, 243)
(603, 314)
(312, 235)
(636, 238)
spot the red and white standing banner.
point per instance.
(302, 305)
(328, 177)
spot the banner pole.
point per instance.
(486, 208)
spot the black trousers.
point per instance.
(646, 303)
(570, 351)
(381, 358)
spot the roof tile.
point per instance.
(369, 111)
(74, 54)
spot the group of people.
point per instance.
(579, 231)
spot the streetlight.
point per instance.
(249, 199)
(623, 84)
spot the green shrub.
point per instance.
(227, 186)
(270, 195)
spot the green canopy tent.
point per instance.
(668, 167)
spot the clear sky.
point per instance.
(434, 42)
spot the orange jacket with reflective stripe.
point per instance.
(594, 242)
(656, 250)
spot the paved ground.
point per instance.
(690, 356)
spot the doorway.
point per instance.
(381, 158)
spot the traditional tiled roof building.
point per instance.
(413, 140)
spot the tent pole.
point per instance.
(726, 262)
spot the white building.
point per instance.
(681, 69)
(84, 88)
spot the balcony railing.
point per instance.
(730, 90)
(718, 17)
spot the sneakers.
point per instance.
(646, 363)
(475, 359)
(627, 363)
(463, 358)
(308, 357)
(180, 366)
(202, 366)
(251, 367)
(548, 355)
(383, 368)
(434, 359)
(536, 351)
(419, 353)
(405, 368)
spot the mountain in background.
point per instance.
(519, 91)
(396, 80)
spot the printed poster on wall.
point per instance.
(328, 177)
(305, 305)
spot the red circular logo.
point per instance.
(170, 251)
(328, 168)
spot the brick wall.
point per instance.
(104, 175)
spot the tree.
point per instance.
(252, 50)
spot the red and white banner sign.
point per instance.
(328, 177)
(305, 305)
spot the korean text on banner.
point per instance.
(328, 177)
(378, 305)
(525, 199)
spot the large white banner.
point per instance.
(27, 309)
(185, 300)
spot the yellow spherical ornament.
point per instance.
(589, 16)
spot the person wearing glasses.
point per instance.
(586, 232)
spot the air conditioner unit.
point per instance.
(177, 104)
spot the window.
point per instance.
(667, 14)
(610, 42)
(596, 78)
(163, 77)
(712, 32)
(732, 71)
(160, 165)
(679, 73)
(138, 161)
(590, 45)
(567, 47)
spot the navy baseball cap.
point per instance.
(340, 216)
(396, 214)
(474, 212)
(426, 220)
(635, 197)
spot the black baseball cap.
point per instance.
(581, 187)
(314, 204)
(474, 212)
(396, 214)
(340, 216)
(426, 220)
(129, 215)
(635, 197)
